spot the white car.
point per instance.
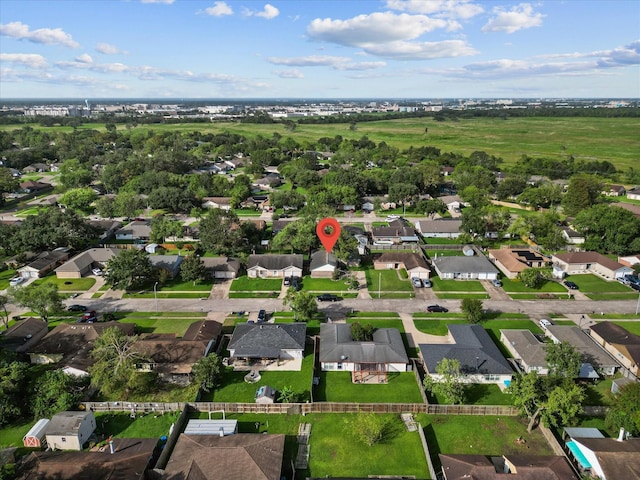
(15, 281)
(544, 323)
(97, 271)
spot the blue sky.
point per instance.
(319, 49)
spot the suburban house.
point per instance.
(36, 168)
(414, 263)
(576, 263)
(521, 467)
(70, 430)
(623, 345)
(268, 182)
(236, 162)
(138, 230)
(275, 266)
(572, 237)
(439, 228)
(243, 456)
(592, 354)
(633, 194)
(453, 202)
(268, 341)
(323, 264)
(615, 190)
(44, 263)
(528, 352)
(23, 335)
(83, 263)
(476, 267)
(397, 232)
(629, 261)
(169, 263)
(130, 460)
(70, 344)
(221, 267)
(480, 359)
(604, 458)
(223, 203)
(278, 226)
(366, 360)
(32, 186)
(513, 261)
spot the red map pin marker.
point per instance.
(328, 231)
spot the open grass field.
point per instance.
(613, 139)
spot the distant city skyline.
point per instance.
(319, 49)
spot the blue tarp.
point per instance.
(579, 456)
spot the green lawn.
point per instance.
(177, 285)
(480, 394)
(444, 253)
(480, 435)
(631, 327)
(143, 426)
(68, 284)
(338, 387)
(11, 435)
(379, 322)
(594, 284)
(322, 285)
(440, 285)
(246, 284)
(5, 276)
(439, 326)
(517, 286)
(387, 281)
(235, 389)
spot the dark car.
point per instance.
(262, 316)
(76, 308)
(328, 297)
(570, 285)
(89, 317)
(295, 283)
(437, 308)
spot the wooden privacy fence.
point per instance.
(303, 408)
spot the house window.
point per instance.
(491, 378)
(339, 366)
(63, 439)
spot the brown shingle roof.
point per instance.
(410, 260)
(522, 467)
(589, 257)
(623, 340)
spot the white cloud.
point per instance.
(31, 60)
(108, 49)
(84, 58)
(166, 2)
(268, 12)
(47, 36)
(336, 63)
(440, 8)
(519, 17)
(293, 73)
(219, 9)
(620, 57)
(11, 75)
(422, 50)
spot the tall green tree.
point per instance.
(163, 226)
(207, 372)
(55, 392)
(625, 411)
(534, 277)
(583, 191)
(472, 309)
(220, 232)
(4, 300)
(609, 229)
(129, 270)
(192, 269)
(563, 360)
(302, 304)
(14, 378)
(43, 299)
(298, 236)
(78, 199)
(8, 183)
(449, 386)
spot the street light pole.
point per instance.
(155, 295)
(380, 284)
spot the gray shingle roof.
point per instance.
(472, 341)
(440, 226)
(322, 258)
(590, 351)
(336, 344)
(275, 262)
(251, 340)
(524, 342)
(464, 264)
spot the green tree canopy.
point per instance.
(207, 372)
(43, 299)
(220, 232)
(449, 385)
(303, 304)
(625, 411)
(14, 378)
(609, 229)
(192, 269)
(55, 392)
(583, 191)
(563, 360)
(129, 270)
(472, 309)
(78, 199)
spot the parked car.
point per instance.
(544, 323)
(97, 271)
(328, 297)
(76, 308)
(262, 316)
(287, 281)
(426, 283)
(570, 285)
(390, 218)
(89, 317)
(295, 283)
(437, 308)
(496, 282)
(15, 281)
(417, 282)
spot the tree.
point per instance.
(563, 360)
(625, 411)
(402, 193)
(287, 395)
(298, 236)
(163, 227)
(78, 199)
(8, 183)
(472, 309)
(43, 299)
(367, 428)
(534, 277)
(345, 247)
(54, 392)
(449, 386)
(115, 359)
(609, 229)
(129, 270)
(538, 398)
(362, 333)
(4, 300)
(207, 372)
(303, 304)
(583, 191)
(14, 378)
(192, 269)
(219, 232)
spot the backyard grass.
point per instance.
(338, 387)
(480, 394)
(246, 284)
(68, 284)
(386, 281)
(599, 393)
(143, 426)
(234, 389)
(444, 253)
(11, 435)
(480, 435)
(379, 323)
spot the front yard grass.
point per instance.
(68, 284)
(246, 284)
(440, 285)
(338, 387)
(177, 285)
(516, 286)
(5, 277)
(11, 435)
(594, 284)
(386, 281)
(322, 285)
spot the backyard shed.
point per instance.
(266, 394)
(36, 436)
(70, 430)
